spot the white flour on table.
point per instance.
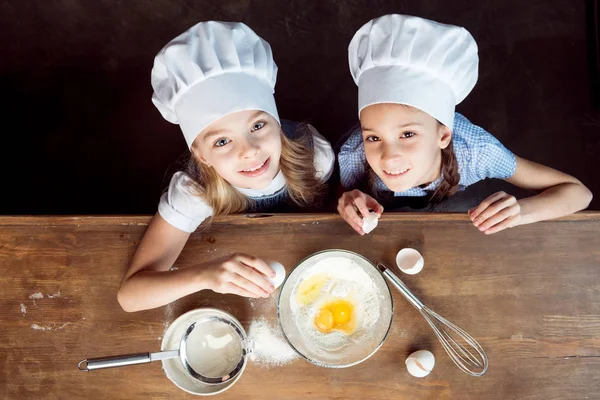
(268, 347)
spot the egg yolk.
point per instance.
(335, 315)
(310, 289)
(324, 320)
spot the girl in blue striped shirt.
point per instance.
(411, 73)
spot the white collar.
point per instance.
(276, 184)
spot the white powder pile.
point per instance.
(23, 309)
(267, 345)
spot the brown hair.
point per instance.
(451, 176)
(297, 166)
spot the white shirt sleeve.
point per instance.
(324, 157)
(181, 207)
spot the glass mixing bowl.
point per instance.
(357, 349)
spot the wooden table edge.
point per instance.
(243, 219)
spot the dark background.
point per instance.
(81, 136)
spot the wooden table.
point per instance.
(530, 295)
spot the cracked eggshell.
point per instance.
(279, 274)
(420, 363)
(370, 223)
(410, 261)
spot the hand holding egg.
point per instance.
(239, 273)
(354, 206)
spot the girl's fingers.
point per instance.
(353, 203)
(256, 263)
(344, 205)
(507, 223)
(252, 275)
(494, 209)
(350, 215)
(358, 228)
(361, 204)
(374, 205)
(474, 212)
(249, 286)
(498, 217)
(235, 289)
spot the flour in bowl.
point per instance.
(335, 305)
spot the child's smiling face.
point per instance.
(243, 147)
(403, 144)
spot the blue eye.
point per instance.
(258, 126)
(407, 135)
(372, 139)
(222, 142)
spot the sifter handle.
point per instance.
(114, 361)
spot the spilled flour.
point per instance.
(36, 296)
(267, 345)
(263, 305)
(41, 327)
(168, 316)
(48, 327)
(40, 295)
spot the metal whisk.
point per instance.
(466, 353)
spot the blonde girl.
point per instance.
(216, 81)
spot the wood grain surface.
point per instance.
(529, 295)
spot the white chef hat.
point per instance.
(413, 61)
(211, 70)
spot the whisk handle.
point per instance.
(398, 284)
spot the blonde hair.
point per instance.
(297, 167)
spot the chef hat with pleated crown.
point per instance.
(212, 70)
(414, 61)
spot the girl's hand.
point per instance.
(496, 213)
(239, 274)
(354, 204)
